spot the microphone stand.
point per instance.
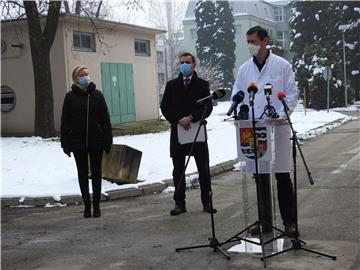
(260, 222)
(296, 242)
(214, 243)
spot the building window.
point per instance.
(281, 37)
(8, 99)
(193, 33)
(3, 46)
(160, 56)
(142, 47)
(279, 14)
(238, 30)
(84, 41)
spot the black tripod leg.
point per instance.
(214, 243)
(302, 248)
(319, 253)
(192, 247)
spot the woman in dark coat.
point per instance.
(86, 131)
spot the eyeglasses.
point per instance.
(186, 62)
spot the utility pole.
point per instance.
(343, 28)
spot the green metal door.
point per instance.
(118, 89)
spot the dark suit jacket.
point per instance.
(178, 102)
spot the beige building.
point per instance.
(121, 59)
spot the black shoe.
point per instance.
(290, 230)
(207, 209)
(87, 211)
(177, 210)
(97, 212)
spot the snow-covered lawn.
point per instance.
(33, 167)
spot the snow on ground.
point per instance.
(34, 167)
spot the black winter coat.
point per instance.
(85, 120)
(178, 102)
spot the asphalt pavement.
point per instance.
(139, 233)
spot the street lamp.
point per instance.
(343, 28)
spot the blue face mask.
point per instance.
(186, 69)
(84, 80)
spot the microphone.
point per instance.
(268, 90)
(237, 98)
(252, 89)
(282, 97)
(215, 95)
(244, 112)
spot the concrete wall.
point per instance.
(17, 73)
(117, 46)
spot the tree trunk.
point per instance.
(98, 10)
(66, 5)
(77, 7)
(40, 44)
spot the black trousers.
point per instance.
(81, 159)
(202, 163)
(285, 195)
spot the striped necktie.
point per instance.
(186, 83)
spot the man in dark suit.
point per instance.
(179, 108)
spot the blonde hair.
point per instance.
(76, 71)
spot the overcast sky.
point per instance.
(142, 17)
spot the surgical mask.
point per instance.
(84, 80)
(185, 69)
(254, 49)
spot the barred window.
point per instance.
(84, 41)
(142, 47)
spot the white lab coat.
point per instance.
(279, 73)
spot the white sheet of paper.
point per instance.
(188, 136)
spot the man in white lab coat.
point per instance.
(262, 68)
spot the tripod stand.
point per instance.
(214, 243)
(269, 110)
(297, 244)
(260, 222)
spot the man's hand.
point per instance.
(185, 122)
(107, 149)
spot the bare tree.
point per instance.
(66, 6)
(40, 44)
(168, 16)
(77, 7)
(210, 73)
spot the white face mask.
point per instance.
(253, 49)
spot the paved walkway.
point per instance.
(139, 233)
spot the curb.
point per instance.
(142, 190)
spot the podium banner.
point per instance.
(245, 140)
